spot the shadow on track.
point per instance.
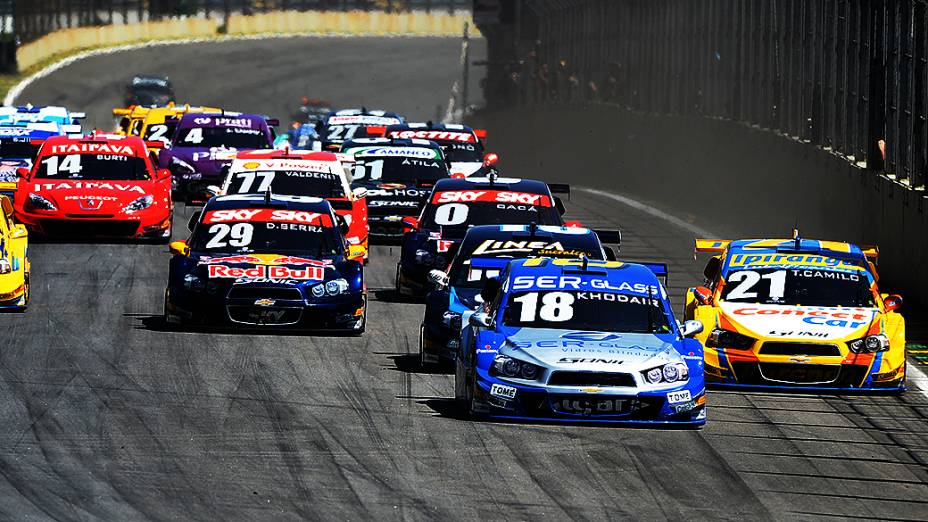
(156, 323)
(410, 363)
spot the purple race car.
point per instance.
(204, 145)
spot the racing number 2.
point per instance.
(556, 307)
(239, 235)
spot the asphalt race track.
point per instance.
(108, 416)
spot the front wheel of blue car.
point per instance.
(464, 383)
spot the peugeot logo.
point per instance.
(591, 336)
(90, 204)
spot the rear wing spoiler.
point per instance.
(715, 246)
(119, 112)
(78, 115)
(872, 252)
(73, 130)
(559, 188)
(659, 270)
(612, 237)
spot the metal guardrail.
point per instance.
(848, 75)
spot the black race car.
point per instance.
(463, 146)
(269, 262)
(456, 204)
(458, 290)
(398, 176)
(347, 124)
(149, 91)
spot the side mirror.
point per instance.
(480, 319)
(703, 295)
(610, 254)
(559, 205)
(573, 224)
(342, 224)
(490, 159)
(19, 231)
(179, 248)
(194, 219)
(164, 174)
(712, 268)
(22, 172)
(212, 190)
(490, 288)
(359, 192)
(439, 279)
(410, 224)
(691, 328)
(892, 302)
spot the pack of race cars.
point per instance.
(537, 316)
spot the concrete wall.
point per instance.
(280, 22)
(725, 177)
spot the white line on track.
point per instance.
(17, 90)
(914, 374)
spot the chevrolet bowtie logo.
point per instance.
(800, 359)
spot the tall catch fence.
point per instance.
(850, 76)
(24, 21)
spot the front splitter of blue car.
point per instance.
(605, 405)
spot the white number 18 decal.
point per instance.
(556, 307)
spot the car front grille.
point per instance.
(800, 374)
(89, 227)
(264, 315)
(591, 379)
(810, 349)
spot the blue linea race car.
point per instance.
(458, 291)
(19, 145)
(398, 176)
(456, 204)
(267, 262)
(579, 341)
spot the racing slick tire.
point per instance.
(168, 320)
(22, 309)
(424, 362)
(464, 390)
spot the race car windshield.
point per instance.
(586, 310)
(92, 167)
(288, 182)
(160, 132)
(18, 149)
(228, 137)
(462, 152)
(266, 237)
(399, 169)
(488, 213)
(798, 286)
